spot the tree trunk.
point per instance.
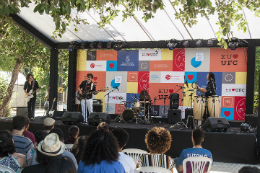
(6, 101)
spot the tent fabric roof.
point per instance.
(163, 26)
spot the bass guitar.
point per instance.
(86, 94)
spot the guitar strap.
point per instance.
(33, 84)
(91, 86)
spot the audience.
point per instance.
(249, 169)
(47, 150)
(73, 133)
(28, 134)
(8, 155)
(61, 165)
(22, 144)
(40, 135)
(48, 124)
(122, 138)
(100, 154)
(196, 151)
(103, 126)
(78, 147)
(158, 141)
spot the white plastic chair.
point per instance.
(197, 164)
(153, 170)
(134, 153)
(69, 147)
(5, 169)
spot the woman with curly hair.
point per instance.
(100, 154)
(8, 155)
(78, 147)
(158, 141)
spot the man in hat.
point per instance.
(48, 124)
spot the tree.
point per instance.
(17, 49)
(257, 67)
(229, 11)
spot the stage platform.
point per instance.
(231, 146)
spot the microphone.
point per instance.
(116, 87)
(180, 86)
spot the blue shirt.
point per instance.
(194, 152)
(103, 167)
(22, 144)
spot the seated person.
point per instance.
(61, 165)
(39, 136)
(8, 155)
(249, 169)
(48, 124)
(196, 151)
(28, 134)
(78, 147)
(73, 133)
(60, 134)
(122, 138)
(158, 141)
(103, 126)
(47, 150)
(100, 154)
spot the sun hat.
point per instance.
(51, 145)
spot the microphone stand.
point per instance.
(108, 102)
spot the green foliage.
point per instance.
(257, 67)
(3, 91)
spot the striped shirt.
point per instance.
(156, 160)
(22, 144)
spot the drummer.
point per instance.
(211, 86)
(144, 96)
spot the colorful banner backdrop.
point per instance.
(161, 72)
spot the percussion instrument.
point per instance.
(213, 105)
(129, 115)
(137, 104)
(198, 107)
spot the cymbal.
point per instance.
(126, 102)
(145, 102)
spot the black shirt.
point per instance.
(28, 86)
(35, 168)
(87, 86)
(211, 89)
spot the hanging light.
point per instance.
(186, 44)
(172, 44)
(198, 43)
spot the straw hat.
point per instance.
(51, 145)
(48, 122)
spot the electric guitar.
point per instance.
(51, 112)
(28, 98)
(85, 93)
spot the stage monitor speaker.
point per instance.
(251, 119)
(97, 108)
(213, 124)
(72, 118)
(174, 116)
(174, 101)
(188, 112)
(22, 111)
(58, 115)
(97, 117)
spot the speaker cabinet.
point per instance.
(97, 107)
(214, 124)
(174, 116)
(251, 119)
(57, 115)
(97, 117)
(72, 118)
(22, 111)
(188, 112)
(174, 101)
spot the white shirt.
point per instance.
(127, 162)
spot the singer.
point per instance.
(87, 103)
(211, 86)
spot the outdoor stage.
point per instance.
(231, 146)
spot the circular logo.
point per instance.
(240, 108)
(228, 77)
(92, 65)
(144, 66)
(144, 81)
(180, 60)
(168, 77)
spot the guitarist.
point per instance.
(29, 85)
(87, 103)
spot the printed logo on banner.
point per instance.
(164, 110)
(131, 97)
(91, 55)
(114, 84)
(227, 102)
(155, 77)
(127, 60)
(178, 59)
(149, 54)
(227, 113)
(155, 110)
(234, 90)
(228, 77)
(161, 65)
(119, 109)
(96, 65)
(132, 76)
(191, 76)
(116, 98)
(111, 65)
(106, 55)
(144, 66)
(172, 77)
(240, 106)
(143, 84)
(195, 63)
(197, 59)
(110, 108)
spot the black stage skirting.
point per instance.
(231, 146)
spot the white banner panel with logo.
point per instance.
(233, 89)
(149, 54)
(172, 77)
(96, 65)
(116, 98)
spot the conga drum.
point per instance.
(213, 105)
(198, 107)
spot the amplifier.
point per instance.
(214, 124)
